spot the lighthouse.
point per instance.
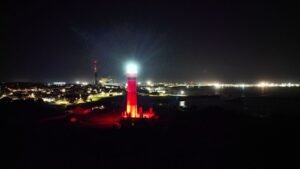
(131, 106)
(132, 111)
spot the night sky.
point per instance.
(183, 41)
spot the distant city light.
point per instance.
(32, 95)
(149, 82)
(266, 84)
(262, 84)
(84, 83)
(48, 99)
(217, 85)
(131, 68)
(4, 95)
(62, 102)
(59, 83)
(60, 93)
(242, 85)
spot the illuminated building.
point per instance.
(108, 82)
(59, 83)
(131, 106)
(132, 110)
(105, 80)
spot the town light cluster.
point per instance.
(244, 85)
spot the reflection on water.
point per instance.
(182, 104)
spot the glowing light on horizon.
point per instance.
(149, 83)
(59, 83)
(217, 85)
(262, 84)
(62, 102)
(48, 99)
(32, 95)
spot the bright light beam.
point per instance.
(131, 68)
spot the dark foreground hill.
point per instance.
(239, 133)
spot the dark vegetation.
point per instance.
(210, 132)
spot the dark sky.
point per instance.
(182, 41)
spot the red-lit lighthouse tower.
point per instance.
(132, 111)
(131, 107)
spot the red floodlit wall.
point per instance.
(131, 108)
